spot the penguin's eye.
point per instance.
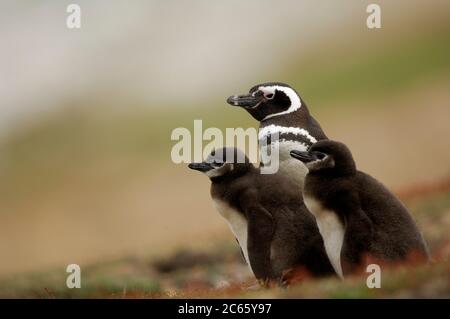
(269, 96)
(321, 156)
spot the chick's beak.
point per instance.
(202, 167)
(305, 157)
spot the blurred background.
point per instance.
(86, 114)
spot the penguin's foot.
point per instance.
(293, 276)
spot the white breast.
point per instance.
(287, 164)
(237, 224)
(331, 229)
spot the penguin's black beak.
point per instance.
(305, 157)
(246, 101)
(202, 167)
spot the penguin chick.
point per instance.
(275, 231)
(357, 216)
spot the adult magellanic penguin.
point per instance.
(357, 216)
(273, 227)
(280, 109)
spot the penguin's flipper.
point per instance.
(359, 235)
(261, 227)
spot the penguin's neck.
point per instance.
(298, 118)
(278, 136)
(229, 188)
(295, 127)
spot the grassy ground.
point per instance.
(220, 272)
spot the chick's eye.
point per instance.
(321, 156)
(269, 96)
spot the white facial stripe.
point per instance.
(271, 129)
(295, 100)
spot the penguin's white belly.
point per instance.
(237, 224)
(286, 163)
(331, 229)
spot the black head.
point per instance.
(327, 156)
(268, 100)
(224, 162)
